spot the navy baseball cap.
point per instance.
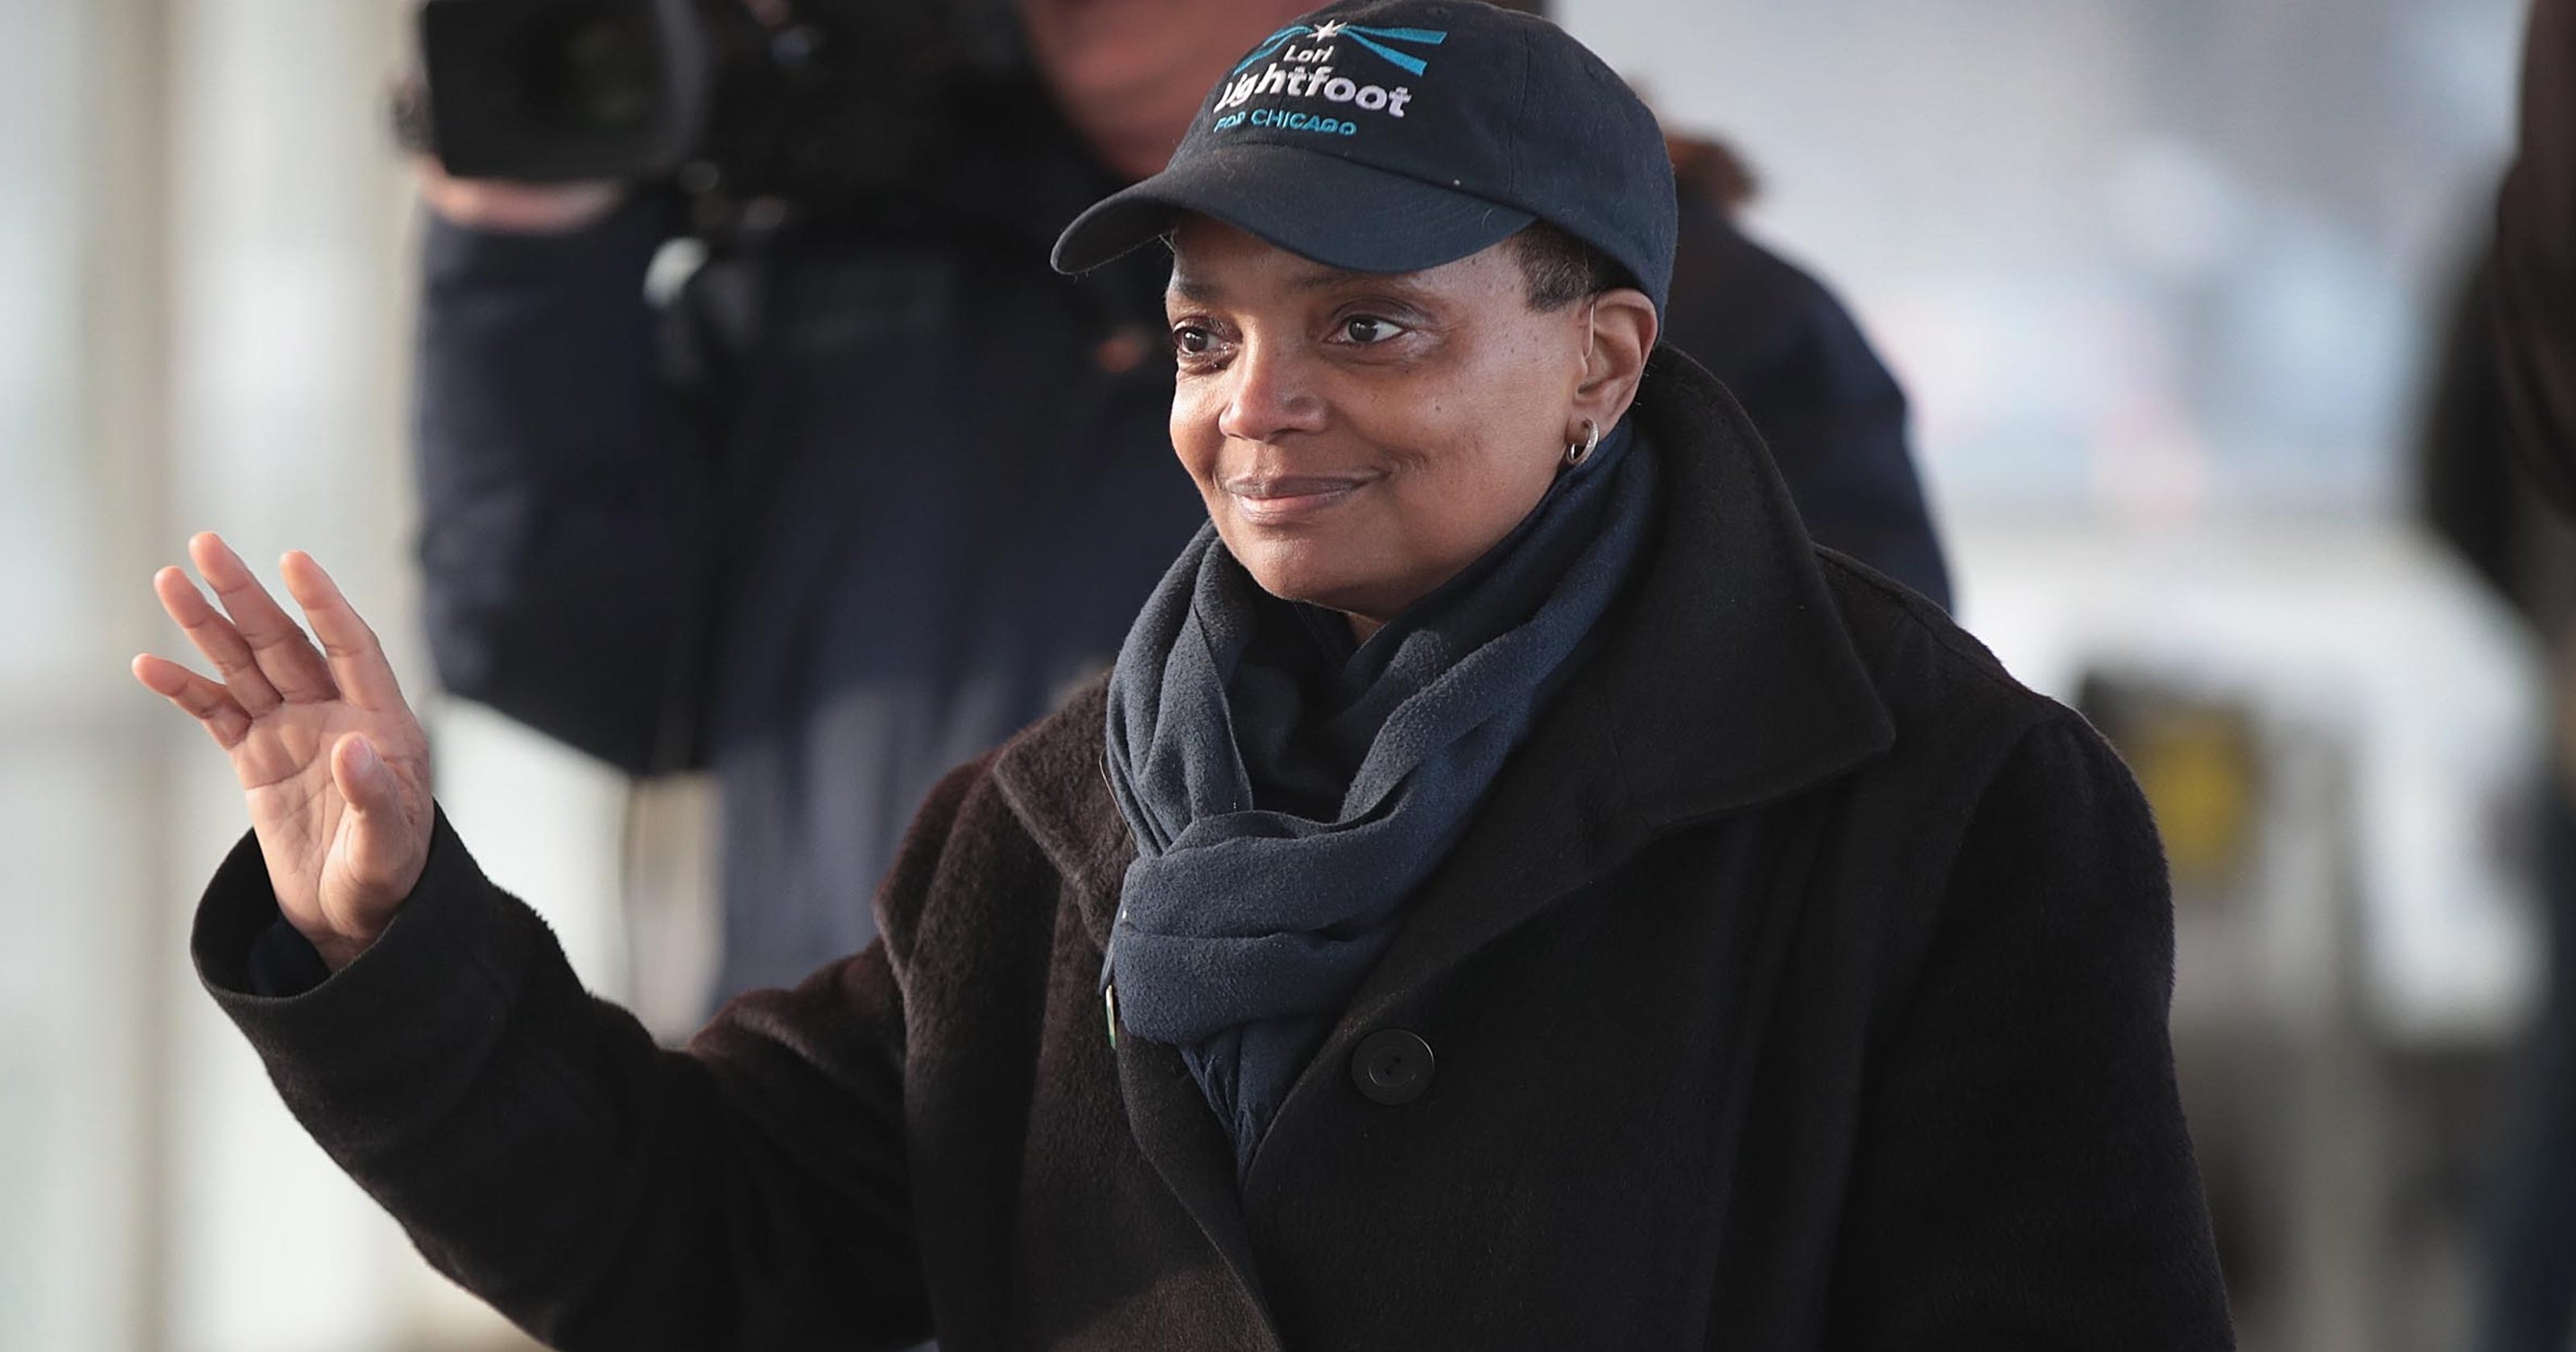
(1396, 135)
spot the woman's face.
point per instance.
(1359, 437)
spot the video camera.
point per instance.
(819, 102)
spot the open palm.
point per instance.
(331, 761)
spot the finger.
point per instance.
(357, 660)
(217, 639)
(285, 656)
(210, 704)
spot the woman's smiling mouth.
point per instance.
(1283, 498)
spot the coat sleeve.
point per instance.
(2533, 304)
(748, 1192)
(2023, 1176)
(565, 503)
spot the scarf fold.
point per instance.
(1290, 790)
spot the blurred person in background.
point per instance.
(2486, 504)
(879, 488)
(2499, 482)
(2532, 301)
(1513, 889)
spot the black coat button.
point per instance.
(1392, 1066)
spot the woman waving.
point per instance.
(1514, 890)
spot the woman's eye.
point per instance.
(1367, 329)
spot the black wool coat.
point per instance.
(1801, 983)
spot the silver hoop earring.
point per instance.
(1577, 453)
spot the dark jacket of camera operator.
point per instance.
(870, 498)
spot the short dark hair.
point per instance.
(1557, 269)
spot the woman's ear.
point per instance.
(1623, 328)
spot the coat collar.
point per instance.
(1724, 679)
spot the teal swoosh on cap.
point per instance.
(1273, 43)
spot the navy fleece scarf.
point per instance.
(1289, 791)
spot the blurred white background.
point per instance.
(2139, 257)
(2160, 276)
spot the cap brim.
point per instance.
(1314, 205)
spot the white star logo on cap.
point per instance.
(1329, 28)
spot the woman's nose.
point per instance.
(1270, 390)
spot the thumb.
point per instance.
(365, 782)
(379, 850)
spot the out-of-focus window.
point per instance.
(41, 493)
(67, 1057)
(2169, 257)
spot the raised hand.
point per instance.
(331, 761)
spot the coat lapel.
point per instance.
(1055, 783)
(1180, 1134)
